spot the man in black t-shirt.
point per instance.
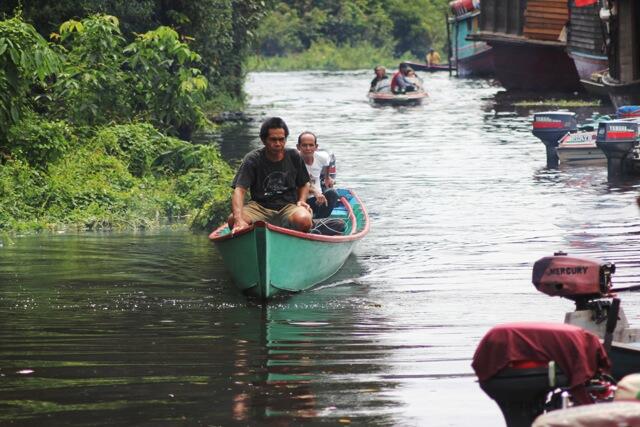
(277, 180)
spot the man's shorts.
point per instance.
(256, 212)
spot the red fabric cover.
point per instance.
(577, 352)
(583, 3)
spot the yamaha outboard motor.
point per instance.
(616, 139)
(628, 111)
(550, 127)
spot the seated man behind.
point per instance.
(380, 81)
(317, 163)
(277, 180)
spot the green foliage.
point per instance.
(167, 83)
(138, 145)
(328, 56)
(92, 87)
(39, 141)
(281, 31)
(418, 25)
(25, 60)
(407, 26)
(22, 191)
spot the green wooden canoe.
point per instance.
(265, 260)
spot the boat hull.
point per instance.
(622, 93)
(587, 65)
(525, 65)
(625, 359)
(429, 69)
(583, 154)
(472, 58)
(266, 260)
(478, 64)
(412, 98)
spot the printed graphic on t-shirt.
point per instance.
(275, 183)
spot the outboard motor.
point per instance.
(578, 279)
(617, 138)
(550, 127)
(520, 365)
(628, 111)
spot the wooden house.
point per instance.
(528, 38)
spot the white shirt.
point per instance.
(321, 160)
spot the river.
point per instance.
(146, 329)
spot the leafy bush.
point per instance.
(39, 141)
(23, 192)
(138, 145)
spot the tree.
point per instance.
(26, 60)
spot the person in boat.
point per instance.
(432, 58)
(277, 180)
(413, 78)
(380, 81)
(322, 201)
(399, 82)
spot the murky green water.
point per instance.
(145, 329)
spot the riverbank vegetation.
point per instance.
(95, 121)
(334, 34)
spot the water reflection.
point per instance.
(128, 329)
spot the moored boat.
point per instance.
(527, 39)
(471, 58)
(569, 143)
(580, 149)
(265, 260)
(586, 46)
(428, 68)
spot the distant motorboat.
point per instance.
(383, 95)
(388, 98)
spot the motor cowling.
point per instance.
(552, 125)
(628, 111)
(572, 277)
(616, 139)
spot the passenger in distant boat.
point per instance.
(399, 82)
(277, 180)
(432, 58)
(381, 81)
(317, 163)
(413, 78)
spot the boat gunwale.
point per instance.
(215, 237)
(377, 96)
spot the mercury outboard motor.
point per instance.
(616, 139)
(578, 279)
(550, 127)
